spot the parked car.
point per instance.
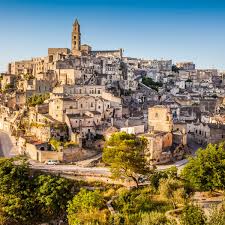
(52, 162)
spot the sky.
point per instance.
(181, 30)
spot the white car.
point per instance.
(52, 162)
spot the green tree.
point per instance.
(173, 191)
(17, 202)
(18, 175)
(55, 143)
(52, 193)
(193, 215)
(206, 171)
(28, 198)
(87, 207)
(37, 99)
(151, 83)
(175, 69)
(156, 176)
(125, 155)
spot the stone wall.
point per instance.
(42, 156)
(160, 119)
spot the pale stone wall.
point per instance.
(157, 144)
(46, 155)
(160, 119)
(41, 133)
(42, 156)
(110, 53)
(54, 51)
(68, 76)
(133, 130)
(110, 97)
(21, 67)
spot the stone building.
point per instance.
(160, 119)
(21, 67)
(7, 80)
(186, 65)
(34, 86)
(166, 139)
(205, 133)
(159, 146)
(59, 107)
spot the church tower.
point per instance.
(76, 38)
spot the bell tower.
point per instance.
(76, 38)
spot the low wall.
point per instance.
(42, 156)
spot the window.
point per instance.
(99, 92)
(81, 105)
(156, 115)
(99, 107)
(92, 105)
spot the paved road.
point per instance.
(71, 168)
(7, 148)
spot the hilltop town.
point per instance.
(95, 137)
(64, 106)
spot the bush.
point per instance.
(217, 216)
(55, 144)
(153, 218)
(87, 207)
(150, 83)
(37, 99)
(173, 191)
(193, 215)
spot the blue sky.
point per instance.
(170, 29)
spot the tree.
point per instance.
(17, 202)
(87, 207)
(206, 171)
(55, 144)
(151, 83)
(52, 193)
(156, 176)
(28, 198)
(193, 215)
(175, 69)
(37, 99)
(125, 155)
(172, 190)
(153, 218)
